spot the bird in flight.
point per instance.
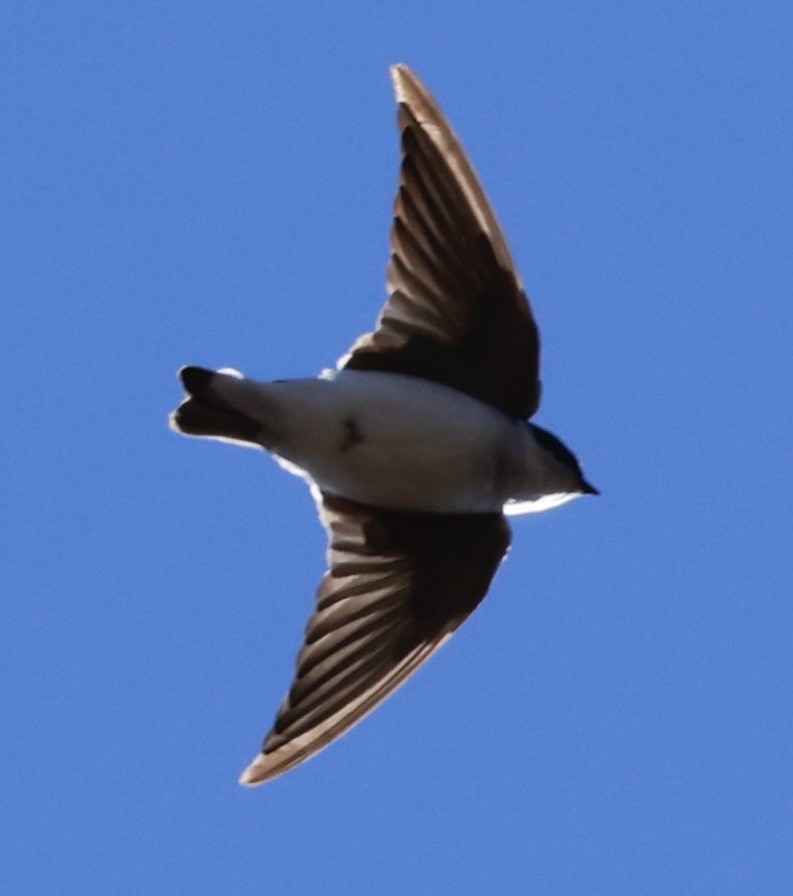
(415, 447)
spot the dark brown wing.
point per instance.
(398, 586)
(456, 312)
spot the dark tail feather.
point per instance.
(205, 414)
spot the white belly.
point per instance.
(390, 440)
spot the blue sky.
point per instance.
(211, 183)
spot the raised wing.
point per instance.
(456, 312)
(397, 587)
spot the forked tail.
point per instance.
(207, 413)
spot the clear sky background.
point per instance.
(211, 183)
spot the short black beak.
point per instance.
(588, 489)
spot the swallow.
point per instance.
(415, 447)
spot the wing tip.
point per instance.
(257, 772)
(399, 71)
(407, 85)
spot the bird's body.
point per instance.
(394, 441)
(414, 448)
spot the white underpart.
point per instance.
(514, 507)
(399, 442)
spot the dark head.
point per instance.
(564, 460)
